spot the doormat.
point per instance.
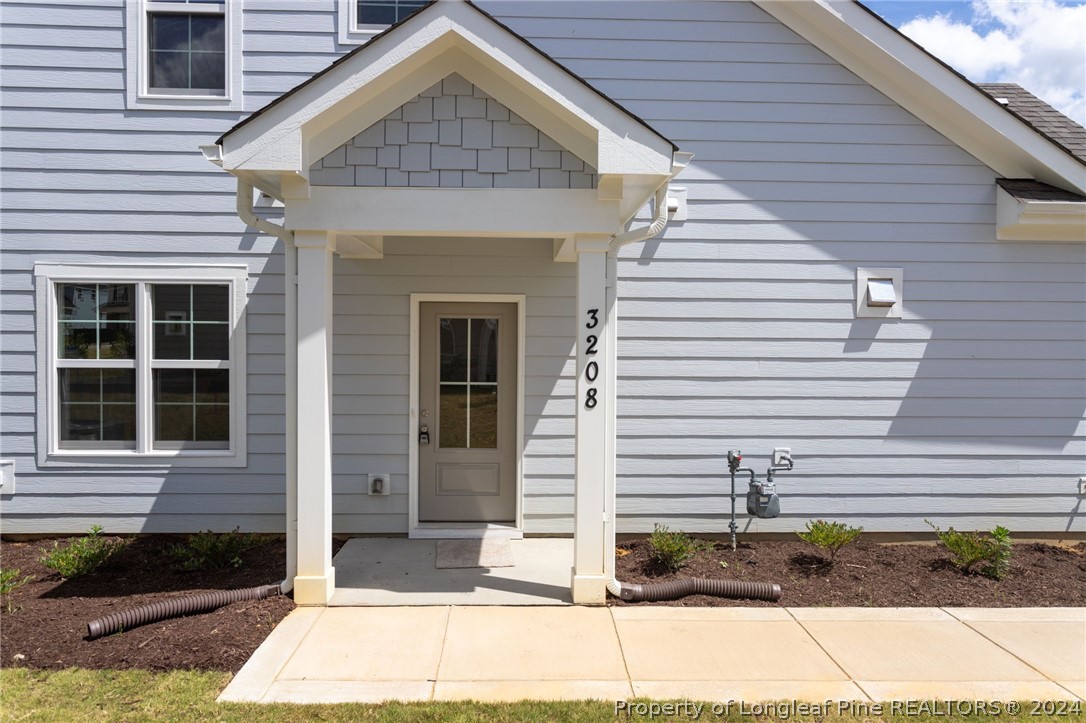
(485, 552)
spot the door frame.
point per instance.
(415, 528)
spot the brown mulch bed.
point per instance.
(49, 620)
(50, 615)
(868, 574)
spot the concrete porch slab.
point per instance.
(379, 571)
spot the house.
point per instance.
(527, 268)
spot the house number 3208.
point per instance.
(592, 369)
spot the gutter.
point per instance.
(244, 207)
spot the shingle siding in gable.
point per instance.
(452, 135)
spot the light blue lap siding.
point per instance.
(737, 327)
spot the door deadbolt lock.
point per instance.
(424, 435)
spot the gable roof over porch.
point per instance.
(275, 148)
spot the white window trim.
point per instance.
(347, 23)
(136, 58)
(47, 276)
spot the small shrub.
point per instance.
(9, 583)
(670, 549)
(81, 556)
(209, 550)
(967, 549)
(830, 536)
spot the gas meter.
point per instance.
(762, 499)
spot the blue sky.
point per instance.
(1039, 44)
(899, 12)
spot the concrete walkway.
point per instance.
(333, 655)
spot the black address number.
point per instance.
(592, 369)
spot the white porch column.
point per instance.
(595, 393)
(315, 581)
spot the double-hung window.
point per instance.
(184, 53)
(143, 362)
(359, 20)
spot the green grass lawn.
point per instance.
(136, 695)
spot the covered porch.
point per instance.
(448, 136)
(392, 571)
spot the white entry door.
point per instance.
(467, 412)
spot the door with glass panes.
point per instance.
(467, 412)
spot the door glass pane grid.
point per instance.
(468, 383)
(96, 321)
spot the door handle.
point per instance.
(424, 435)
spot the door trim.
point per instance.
(414, 529)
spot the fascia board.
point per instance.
(277, 139)
(1028, 220)
(927, 89)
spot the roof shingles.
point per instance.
(1048, 121)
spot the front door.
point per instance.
(468, 407)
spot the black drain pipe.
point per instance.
(175, 607)
(733, 589)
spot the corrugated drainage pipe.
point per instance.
(175, 607)
(734, 589)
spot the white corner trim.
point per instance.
(1025, 220)
(46, 275)
(138, 97)
(417, 299)
(923, 86)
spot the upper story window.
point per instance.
(187, 49)
(184, 54)
(142, 362)
(360, 20)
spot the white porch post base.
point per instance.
(315, 580)
(589, 589)
(591, 507)
(314, 590)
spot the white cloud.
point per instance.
(1039, 44)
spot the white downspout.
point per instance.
(290, 278)
(659, 223)
(645, 232)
